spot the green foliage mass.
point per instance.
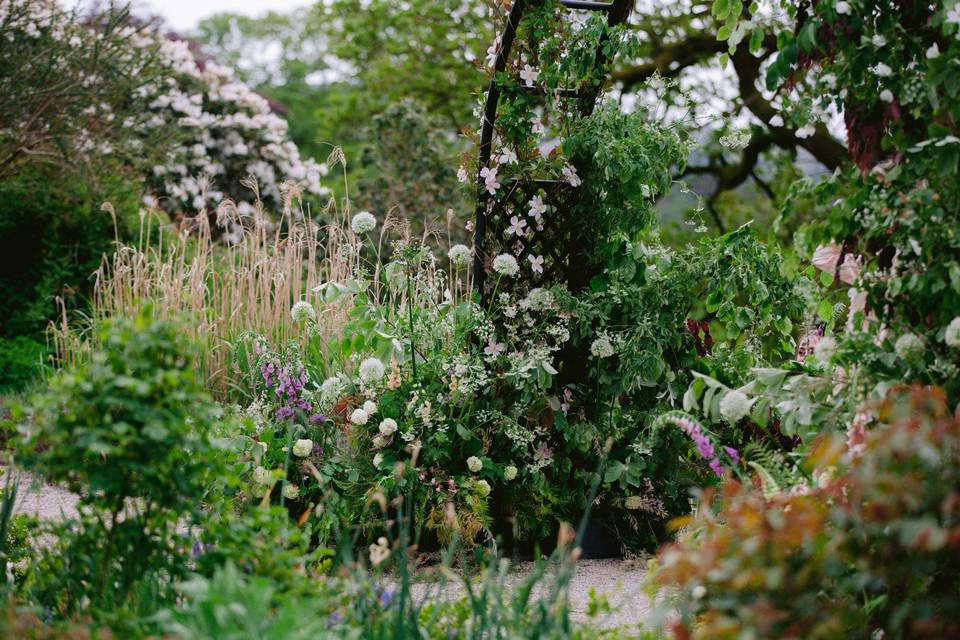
(53, 236)
(127, 431)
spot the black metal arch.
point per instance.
(618, 11)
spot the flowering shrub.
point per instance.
(228, 133)
(114, 90)
(870, 551)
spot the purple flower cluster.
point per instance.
(288, 387)
(704, 447)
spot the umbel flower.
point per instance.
(460, 254)
(388, 426)
(506, 265)
(601, 347)
(474, 464)
(363, 222)
(372, 370)
(510, 473)
(909, 346)
(482, 487)
(302, 448)
(734, 406)
(303, 311)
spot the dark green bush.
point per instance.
(21, 361)
(53, 234)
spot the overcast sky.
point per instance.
(183, 15)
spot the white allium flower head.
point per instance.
(370, 407)
(506, 265)
(372, 370)
(952, 335)
(474, 464)
(602, 347)
(734, 406)
(842, 7)
(302, 311)
(261, 475)
(886, 95)
(483, 487)
(302, 448)
(388, 426)
(909, 346)
(363, 222)
(460, 254)
(825, 349)
(359, 417)
(510, 473)
(291, 491)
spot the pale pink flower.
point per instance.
(570, 175)
(850, 269)
(489, 175)
(517, 226)
(529, 75)
(537, 208)
(826, 257)
(494, 348)
(536, 263)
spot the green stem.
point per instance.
(413, 346)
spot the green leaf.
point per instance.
(720, 9)
(756, 40)
(825, 311)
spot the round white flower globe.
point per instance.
(388, 426)
(474, 464)
(483, 487)
(909, 346)
(261, 475)
(303, 448)
(602, 347)
(510, 473)
(302, 311)
(506, 265)
(372, 370)
(734, 406)
(359, 417)
(378, 460)
(363, 222)
(291, 491)
(952, 335)
(370, 407)
(460, 254)
(825, 349)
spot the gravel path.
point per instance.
(619, 581)
(41, 500)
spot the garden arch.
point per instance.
(555, 239)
